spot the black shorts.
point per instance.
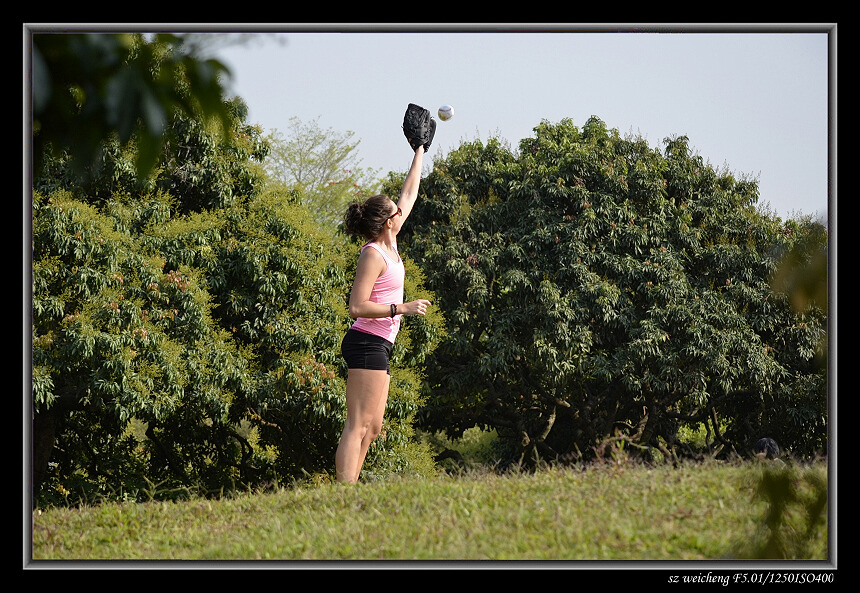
(366, 351)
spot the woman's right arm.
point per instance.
(370, 266)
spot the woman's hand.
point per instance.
(417, 307)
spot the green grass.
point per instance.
(608, 512)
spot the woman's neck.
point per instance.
(389, 242)
(387, 239)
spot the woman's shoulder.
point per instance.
(372, 256)
(377, 250)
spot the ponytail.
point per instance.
(367, 218)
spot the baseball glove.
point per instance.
(418, 127)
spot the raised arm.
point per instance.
(420, 130)
(409, 192)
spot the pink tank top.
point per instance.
(387, 289)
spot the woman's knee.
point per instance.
(374, 429)
(364, 430)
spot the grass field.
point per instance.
(693, 512)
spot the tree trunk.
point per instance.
(44, 432)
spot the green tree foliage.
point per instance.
(322, 165)
(597, 290)
(202, 166)
(201, 352)
(119, 339)
(87, 87)
(187, 323)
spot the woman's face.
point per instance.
(396, 217)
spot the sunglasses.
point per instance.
(398, 213)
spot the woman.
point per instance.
(376, 304)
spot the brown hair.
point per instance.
(368, 218)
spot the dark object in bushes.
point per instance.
(767, 448)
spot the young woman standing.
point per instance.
(376, 304)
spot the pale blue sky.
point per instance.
(755, 103)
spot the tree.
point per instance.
(322, 165)
(87, 87)
(197, 352)
(597, 291)
(186, 325)
(120, 342)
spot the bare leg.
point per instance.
(366, 397)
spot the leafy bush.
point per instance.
(190, 341)
(597, 290)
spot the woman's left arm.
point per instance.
(409, 192)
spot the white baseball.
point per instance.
(446, 112)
